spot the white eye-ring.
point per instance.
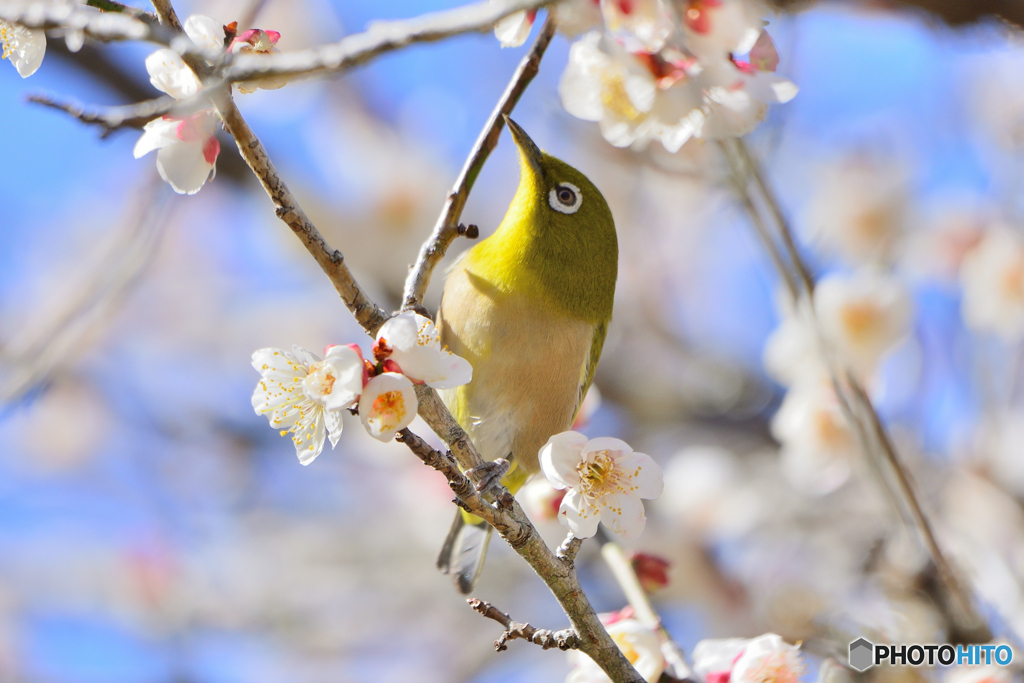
(565, 197)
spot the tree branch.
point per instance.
(380, 37)
(447, 227)
(112, 118)
(565, 639)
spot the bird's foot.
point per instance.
(487, 477)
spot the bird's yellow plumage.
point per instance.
(529, 308)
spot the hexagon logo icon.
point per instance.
(862, 653)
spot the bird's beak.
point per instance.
(529, 153)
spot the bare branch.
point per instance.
(380, 37)
(112, 118)
(103, 26)
(447, 227)
(565, 639)
(569, 548)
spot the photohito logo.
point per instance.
(864, 654)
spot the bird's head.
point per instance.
(561, 227)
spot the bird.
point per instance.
(529, 308)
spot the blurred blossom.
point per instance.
(717, 29)
(541, 500)
(818, 445)
(1001, 443)
(706, 494)
(628, 96)
(187, 146)
(606, 481)
(858, 209)
(639, 24)
(792, 350)
(256, 41)
(304, 395)
(863, 316)
(639, 643)
(64, 427)
(25, 47)
(765, 659)
(936, 252)
(993, 280)
(998, 104)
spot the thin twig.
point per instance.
(447, 227)
(872, 435)
(103, 26)
(113, 118)
(569, 548)
(565, 639)
(380, 37)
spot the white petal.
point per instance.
(334, 424)
(157, 134)
(168, 73)
(309, 435)
(206, 32)
(623, 514)
(580, 87)
(184, 166)
(348, 372)
(387, 405)
(581, 517)
(514, 29)
(74, 39)
(559, 458)
(716, 655)
(24, 46)
(646, 475)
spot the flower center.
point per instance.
(319, 383)
(1012, 282)
(6, 36)
(597, 472)
(861, 320)
(389, 407)
(616, 100)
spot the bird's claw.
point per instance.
(487, 477)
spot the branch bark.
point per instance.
(565, 639)
(447, 227)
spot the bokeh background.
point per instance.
(153, 529)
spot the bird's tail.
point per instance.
(463, 552)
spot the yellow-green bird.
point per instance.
(529, 308)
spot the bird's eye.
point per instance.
(566, 198)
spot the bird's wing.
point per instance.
(590, 363)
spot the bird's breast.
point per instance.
(528, 360)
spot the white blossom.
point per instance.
(188, 149)
(715, 29)
(791, 350)
(387, 405)
(993, 280)
(817, 445)
(638, 643)
(737, 94)
(412, 342)
(863, 315)
(304, 395)
(764, 659)
(206, 32)
(606, 480)
(603, 82)
(257, 42)
(513, 30)
(639, 24)
(858, 209)
(25, 47)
